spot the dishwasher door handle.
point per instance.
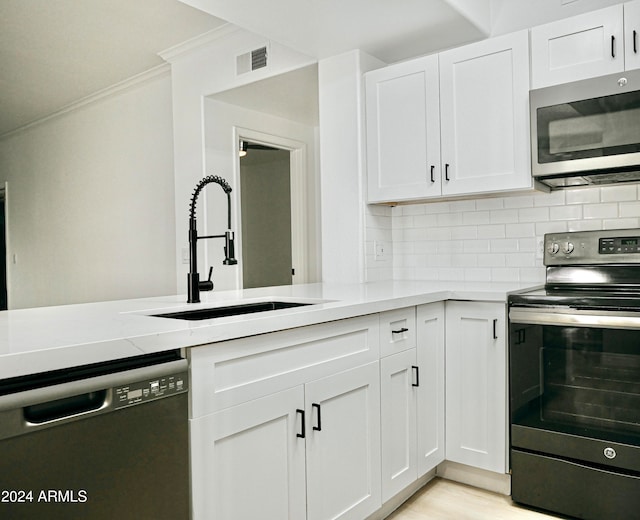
(62, 410)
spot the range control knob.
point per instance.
(553, 248)
(567, 248)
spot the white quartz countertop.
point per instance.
(50, 338)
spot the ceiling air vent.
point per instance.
(250, 61)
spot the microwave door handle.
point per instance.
(599, 319)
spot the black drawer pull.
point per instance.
(635, 42)
(319, 427)
(446, 172)
(613, 46)
(400, 331)
(432, 177)
(303, 429)
(495, 329)
(416, 371)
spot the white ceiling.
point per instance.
(388, 29)
(55, 52)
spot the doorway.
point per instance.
(266, 224)
(4, 303)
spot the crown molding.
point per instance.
(112, 90)
(178, 51)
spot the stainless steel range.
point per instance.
(574, 349)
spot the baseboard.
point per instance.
(395, 502)
(480, 478)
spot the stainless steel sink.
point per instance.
(230, 310)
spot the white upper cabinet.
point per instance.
(632, 35)
(450, 124)
(484, 109)
(580, 47)
(403, 131)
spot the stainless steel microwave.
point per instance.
(587, 132)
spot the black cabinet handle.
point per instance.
(416, 371)
(635, 42)
(613, 46)
(319, 427)
(432, 170)
(446, 172)
(400, 331)
(495, 329)
(303, 429)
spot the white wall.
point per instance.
(222, 121)
(196, 74)
(343, 165)
(91, 202)
(495, 239)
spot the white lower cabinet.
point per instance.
(312, 424)
(312, 452)
(248, 462)
(343, 445)
(287, 425)
(476, 385)
(412, 405)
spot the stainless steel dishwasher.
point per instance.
(105, 441)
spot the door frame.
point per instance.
(298, 179)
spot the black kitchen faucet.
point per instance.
(194, 285)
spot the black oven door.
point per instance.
(575, 409)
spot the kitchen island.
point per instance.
(51, 338)
(335, 408)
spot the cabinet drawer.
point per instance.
(397, 330)
(232, 372)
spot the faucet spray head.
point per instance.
(229, 249)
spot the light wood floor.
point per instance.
(447, 500)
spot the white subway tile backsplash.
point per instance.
(490, 239)
(503, 216)
(477, 246)
(630, 209)
(533, 214)
(555, 198)
(583, 196)
(620, 223)
(505, 274)
(492, 260)
(476, 217)
(519, 202)
(565, 212)
(527, 229)
(584, 225)
(479, 274)
(550, 227)
(520, 260)
(492, 231)
(603, 210)
(411, 209)
(618, 193)
(506, 245)
(461, 232)
(484, 204)
(449, 219)
(527, 245)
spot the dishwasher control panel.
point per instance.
(150, 389)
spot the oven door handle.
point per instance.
(575, 318)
